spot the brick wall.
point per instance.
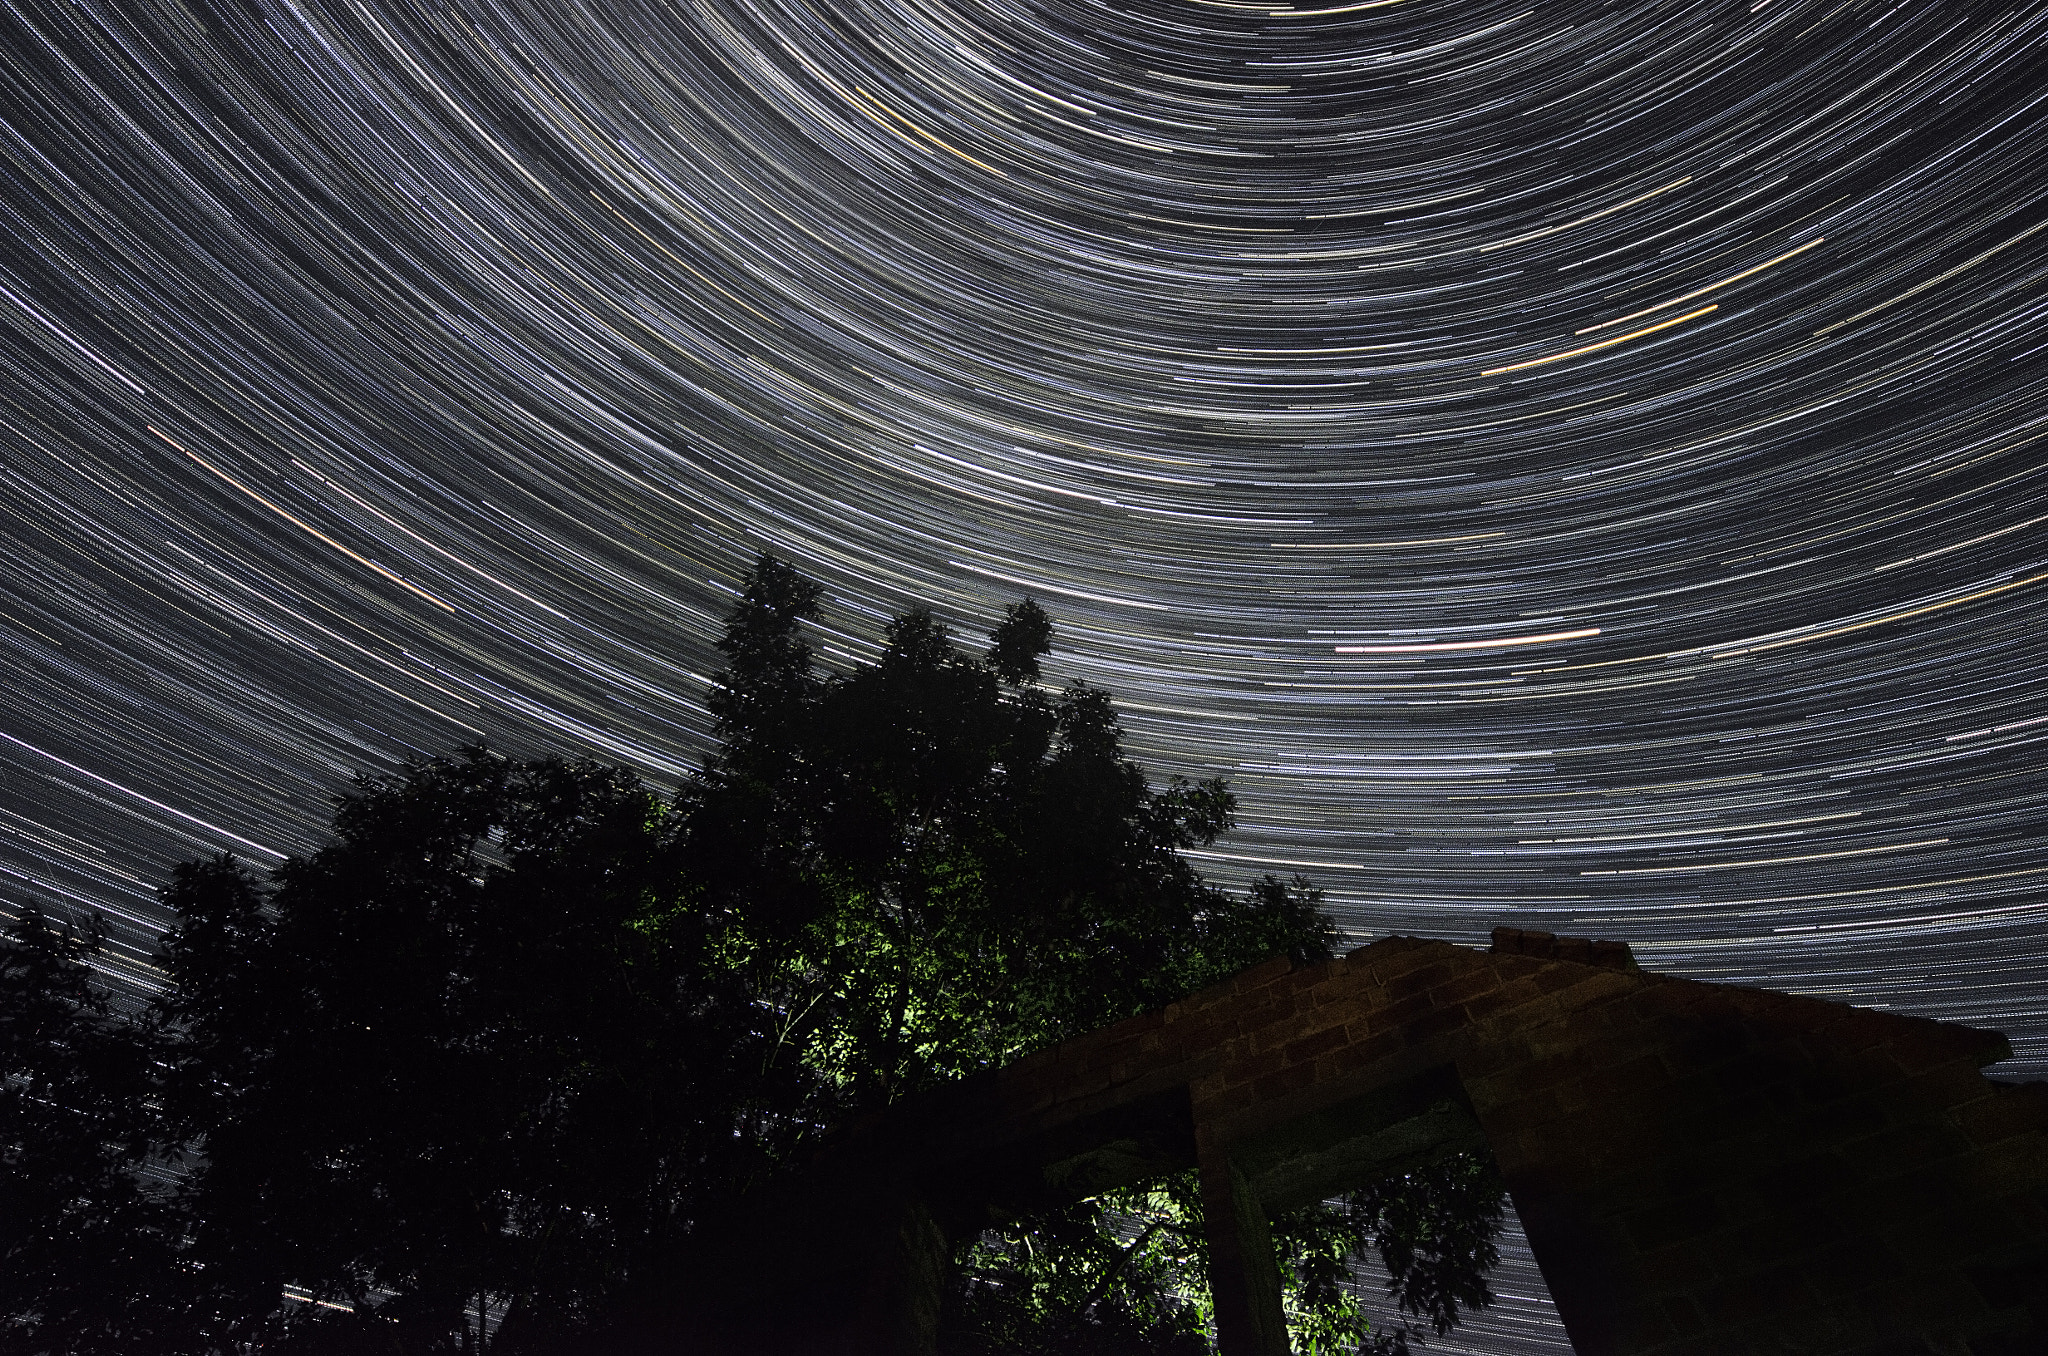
(1703, 1170)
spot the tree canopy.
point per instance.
(933, 866)
(78, 1223)
(468, 1075)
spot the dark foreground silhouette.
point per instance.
(475, 1075)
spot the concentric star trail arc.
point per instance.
(1574, 466)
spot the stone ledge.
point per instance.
(1550, 946)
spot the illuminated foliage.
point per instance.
(471, 1072)
(1126, 1271)
(935, 865)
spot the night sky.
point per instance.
(1579, 466)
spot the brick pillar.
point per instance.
(1243, 1276)
(907, 1263)
(1705, 1170)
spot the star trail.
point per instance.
(1578, 466)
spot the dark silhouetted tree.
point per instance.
(473, 1056)
(934, 866)
(88, 1248)
(466, 1077)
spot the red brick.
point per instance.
(1242, 1071)
(1433, 1024)
(1671, 999)
(1279, 1084)
(1205, 1033)
(1337, 995)
(1620, 1084)
(1262, 1010)
(1728, 1132)
(2010, 1109)
(1263, 975)
(1614, 954)
(1100, 1053)
(1307, 977)
(1421, 981)
(1940, 1090)
(1483, 1058)
(1523, 988)
(1684, 1316)
(1873, 1069)
(1681, 1266)
(1901, 1151)
(1389, 968)
(1810, 1174)
(1394, 1014)
(1470, 984)
(1217, 993)
(1674, 1221)
(1085, 1083)
(1282, 1030)
(1358, 1052)
(1557, 976)
(1309, 1047)
(1596, 987)
(1487, 1005)
(1612, 1047)
(2016, 1164)
(1534, 1114)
